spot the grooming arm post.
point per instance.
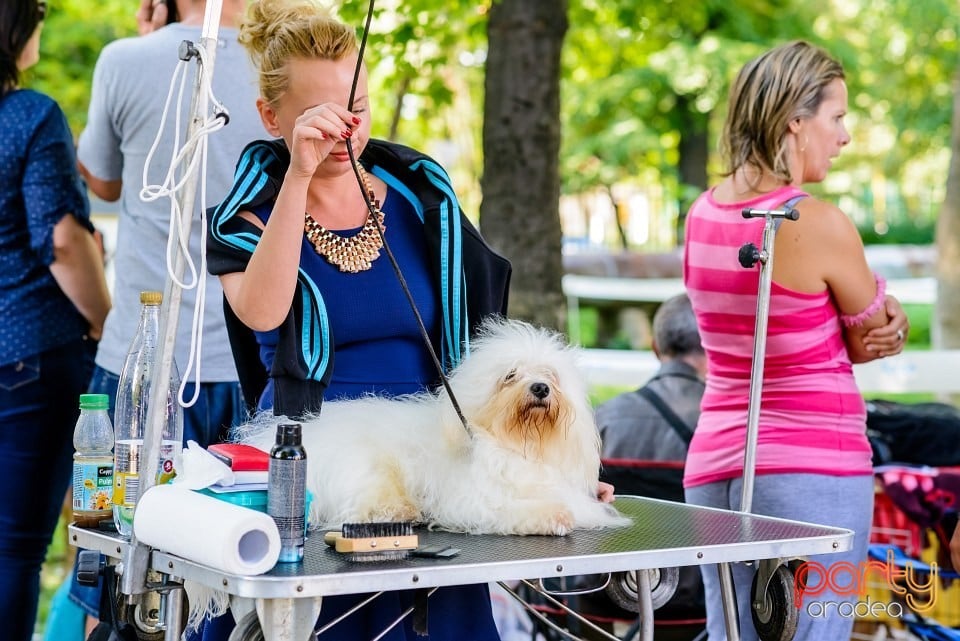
(749, 256)
(136, 558)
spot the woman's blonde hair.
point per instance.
(275, 31)
(768, 93)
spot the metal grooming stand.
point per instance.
(135, 557)
(284, 602)
(749, 256)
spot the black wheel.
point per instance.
(623, 590)
(248, 629)
(776, 619)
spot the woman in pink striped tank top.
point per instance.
(827, 310)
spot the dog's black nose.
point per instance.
(540, 390)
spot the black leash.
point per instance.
(386, 247)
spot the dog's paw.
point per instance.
(549, 520)
(386, 498)
(400, 511)
(594, 515)
(562, 523)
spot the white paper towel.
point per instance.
(205, 530)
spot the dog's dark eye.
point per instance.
(512, 374)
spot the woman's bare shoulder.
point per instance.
(824, 223)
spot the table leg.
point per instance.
(729, 597)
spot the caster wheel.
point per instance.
(143, 619)
(776, 619)
(623, 590)
(143, 615)
(248, 629)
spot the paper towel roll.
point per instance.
(205, 530)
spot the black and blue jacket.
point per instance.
(472, 280)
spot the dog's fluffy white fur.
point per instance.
(529, 464)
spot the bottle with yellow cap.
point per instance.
(130, 418)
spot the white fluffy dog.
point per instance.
(527, 464)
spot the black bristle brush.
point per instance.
(386, 541)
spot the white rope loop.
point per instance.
(185, 161)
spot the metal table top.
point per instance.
(663, 534)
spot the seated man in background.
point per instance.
(656, 421)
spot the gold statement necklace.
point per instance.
(350, 254)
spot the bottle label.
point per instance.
(286, 498)
(92, 483)
(125, 488)
(127, 454)
(167, 467)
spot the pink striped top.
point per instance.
(812, 416)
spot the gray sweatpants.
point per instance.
(838, 501)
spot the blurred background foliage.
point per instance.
(642, 93)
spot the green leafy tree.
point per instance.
(644, 81)
(900, 57)
(73, 34)
(643, 89)
(426, 62)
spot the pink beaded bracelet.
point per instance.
(856, 320)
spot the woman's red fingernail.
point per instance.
(356, 120)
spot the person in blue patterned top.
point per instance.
(53, 301)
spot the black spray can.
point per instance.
(286, 490)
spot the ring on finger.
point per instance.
(899, 334)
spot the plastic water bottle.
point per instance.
(133, 397)
(92, 461)
(287, 490)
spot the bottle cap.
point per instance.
(94, 402)
(289, 434)
(151, 298)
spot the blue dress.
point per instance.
(378, 349)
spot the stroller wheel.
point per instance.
(776, 618)
(622, 588)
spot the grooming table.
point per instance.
(663, 534)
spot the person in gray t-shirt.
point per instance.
(631, 425)
(130, 84)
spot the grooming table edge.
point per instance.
(662, 534)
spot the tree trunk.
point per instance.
(693, 151)
(400, 94)
(946, 329)
(520, 211)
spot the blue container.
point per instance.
(253, 499)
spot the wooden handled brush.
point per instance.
(374, 541)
